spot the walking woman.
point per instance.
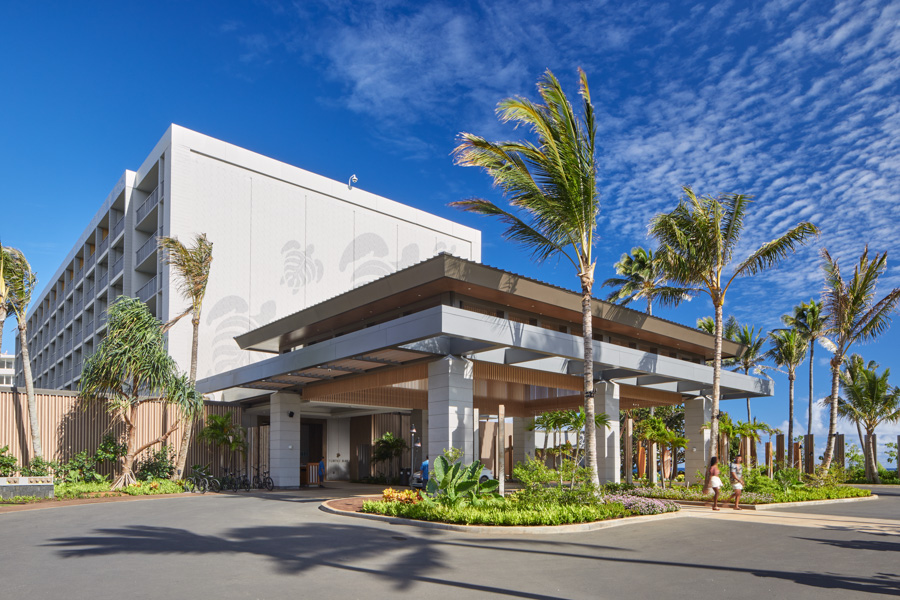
(713, 481)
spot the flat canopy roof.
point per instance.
(445, 273)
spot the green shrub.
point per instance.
(20, 500)
(497, 513)
(822, 493)
(81, 489)
(155, 464)
(154, 486)
(38, 467)
(8, 463)
(453, 484)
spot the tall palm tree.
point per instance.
(854, 315)
(869, 400)
(810, 320)
(20, 282)
(642, 277)
(752, 357)
(551, 186)
(697, 241)
(130, 368)
(192, 265)
(5, 259)
(788, 351)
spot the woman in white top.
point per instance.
(713, 480)
(737, 480)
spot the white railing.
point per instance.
(145, 251)
(118, 228)
(147, 290)
(117, 266)
(151, 201)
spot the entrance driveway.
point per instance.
(279, 545)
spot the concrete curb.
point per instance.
(500, 529)
(777, 505)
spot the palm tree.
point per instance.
(552, 190)
(788, 351)
(192, 266)
(810, 320)
(130, 368)
(222, 432)
(854, 315)
(752, 356)
(5, 259)
(20, 281)
(656, 432)
(729, 329)
(642, 278)
(869, 400)
(697, 243)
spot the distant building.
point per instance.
(284, 239)
(7, 369)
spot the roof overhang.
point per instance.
(443, 330)
(446, 273)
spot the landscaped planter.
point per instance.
(10, 487)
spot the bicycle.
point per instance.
(242, 482)
(263, 482)
(196, 483)
(200, 472)
(229, 481)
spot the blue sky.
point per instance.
(794, 102)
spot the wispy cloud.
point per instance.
(792, 101)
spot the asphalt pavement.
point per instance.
(280, 545)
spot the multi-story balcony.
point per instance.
(148, 248)
(118, 228)
(78, 336)
(89, 261)
(70, 312)
(89, 292)
(102, 246)
(151, 201)
(68, 375)
(68, 344)
(79, 305)
(147, 290)
(88, 327)
(117, 266)
(104, 280)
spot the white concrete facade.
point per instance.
(284, 439)
(451, 420)
(7, 369)
(284, 239)
(697, 412)
(609, 461)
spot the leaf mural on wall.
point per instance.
(443, 247)
(300, 266)
(230, 317)
(368, 256)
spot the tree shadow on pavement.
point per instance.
(420, 557)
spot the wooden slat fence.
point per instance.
(68, 426)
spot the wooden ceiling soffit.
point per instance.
(378, 379)
(384, 397)
(513, 374)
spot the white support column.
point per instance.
(523, 440)
(606, 400)
(476, 435)
(284, 439)
(450, 406)
(629, 450)
(697, 452)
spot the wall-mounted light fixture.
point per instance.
(291, 414)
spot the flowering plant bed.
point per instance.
(514, 510)
(695, 494)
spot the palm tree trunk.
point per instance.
(870, 457)
(29, 393)
(649, 306)
(862, 444)
(590, 434)
(836, 361)
(717, 375)
(2, 323)
(790, 443)
(126, 478)
(812, 351)
(188, 422)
